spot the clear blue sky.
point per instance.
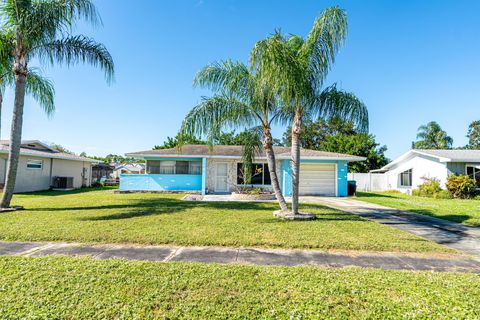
(409, 61)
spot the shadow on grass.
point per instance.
(53, 193)
(148, 207)
(376, 195)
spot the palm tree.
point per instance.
(431, 136)
(240, 100)
(41, 29)
(39, 87)
(296, 68)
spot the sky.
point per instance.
(410, 62)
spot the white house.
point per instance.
(40, 167)
(407, 171)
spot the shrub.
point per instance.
(461, 186)
(429, 188)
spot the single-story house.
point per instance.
(408, 171)
(129, 168)
(39, 165)
(218, 169)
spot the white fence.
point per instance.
(369, 181)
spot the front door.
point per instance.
(221, 177)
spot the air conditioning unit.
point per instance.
(63, 182)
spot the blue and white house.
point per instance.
(218, 169)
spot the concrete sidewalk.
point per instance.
(455, 235)
(391, 261)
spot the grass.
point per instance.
(83, 288)
(100, 216)
(456, 210)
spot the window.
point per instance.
(174, 167)
(406, 178)
(195, 167)
(181, 167)
(167, 167)
(260, 174)
(35, 164)
(474, 173)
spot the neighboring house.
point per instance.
(101, 170)
(39, 165)
(407, 171)
(218, 169)
(128, 168)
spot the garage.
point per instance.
(318, 179)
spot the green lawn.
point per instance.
(463, 211)
(83, 288)
(105, 217)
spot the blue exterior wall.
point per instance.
(286, 176)
(165, 182)
(160, 182)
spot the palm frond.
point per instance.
(327, 35)
(215, 113)
(228, 76)
(42, 90)
(75, 49)
(344, 105)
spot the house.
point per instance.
(218, 169)
(128, 168)
(408, 171)
(39, 165)
(101, 170)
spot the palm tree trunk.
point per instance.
(296, 144)
(20, 70)
(272, 167)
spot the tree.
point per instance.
(334, 135)
(40, 88)
(178, 140)
(431, 136)
(473, 135)
(241, 100)
(60, 148)
(296, 68)
(314, 132)
(41, 29)
(361, 144)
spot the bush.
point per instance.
(461, 186)
(429, 188)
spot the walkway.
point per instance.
(455, 235)
(393, 261)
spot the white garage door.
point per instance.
(317, 179)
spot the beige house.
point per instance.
(40, 166)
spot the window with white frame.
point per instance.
(35, 164)
(406, 178)
(474, 173)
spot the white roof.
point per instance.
(443, 155)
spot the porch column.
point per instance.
(204, 175)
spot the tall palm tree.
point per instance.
(39, 87)
(240, 100)
(296, 68)
(41, 29)
(431, 136)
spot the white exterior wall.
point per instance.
(232, 173)
(29, 180)
(369, 181)
(422, 166)
(79, 170)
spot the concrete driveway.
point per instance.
(455, 235)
